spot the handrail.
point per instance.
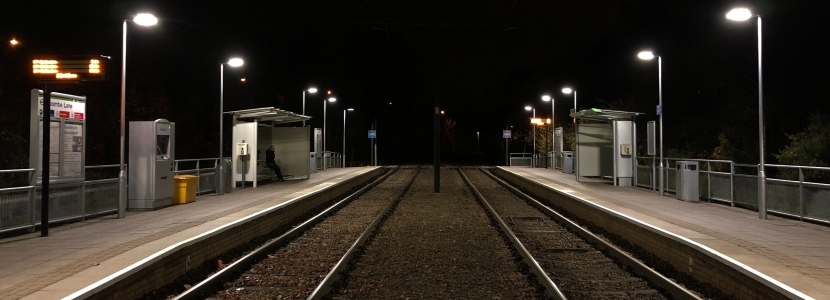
(101, 166)
(798, 167)
(17, 170)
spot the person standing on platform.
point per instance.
(270, 163)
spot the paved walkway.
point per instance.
(76, 255)
(793, 252)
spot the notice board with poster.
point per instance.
(67, 115)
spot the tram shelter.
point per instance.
(256, 130)
(606, 145)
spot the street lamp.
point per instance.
(553, 118)
(233, 62)
(142, 19)
(648, 55)
(344, 135)
(14, 42)
(311, 90)
(533, 157)
(743, 14)
(325, 161)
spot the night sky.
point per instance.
(484, 60)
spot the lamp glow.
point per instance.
(350, 109)
(145, 19)
(545, 98)
(14, 42)
(739, 14)
(646, 55)
(312, 90)
(332, 99)
(235, 62)
(567, 90)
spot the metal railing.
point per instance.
(787, 192)
(329, 159)
(20, 205)
(521, 159)
(205, 168)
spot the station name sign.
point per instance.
(69, 68)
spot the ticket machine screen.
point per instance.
(162, 146)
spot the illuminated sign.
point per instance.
(74, 68)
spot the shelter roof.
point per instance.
(604, 114)
(268, 115)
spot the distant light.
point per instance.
(312, 90)
(145, 19)
(739, 14)
(14, 42)
(332, 99)
(442, 112)
(236, 62)
(545, 98)
(243, 80)
(350, 109)
(567, 90)
(390, 103)
(329, 92)
(646, 55)
(528, 108)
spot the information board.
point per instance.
(69, 68)
(373, 134)
(67, 115)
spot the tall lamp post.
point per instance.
(325, 160)
(343, 165)
(566, 91)
(311, 90)
(648, 55)
(533, 157)
(743, 14)
(553, 118)
(142, 19)
(233, 62)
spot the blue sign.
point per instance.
(373, 134)
(659, 110)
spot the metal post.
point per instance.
(303, 107)
(343, 157)
(732, 184)
(552, 135)
(576, 142)
(660, 90)
(220, 189)
(801, 194)
(122, 193)
(324, 160)
(44, 181)
(533, 156)
(762, 180)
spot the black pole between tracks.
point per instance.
(436, 119)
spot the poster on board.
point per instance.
(54, 150)
(72, 150)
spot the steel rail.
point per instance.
(550, 287)
(215, 282)
(331, 278)
(675, 290)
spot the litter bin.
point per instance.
(687, 181)
(228, 176)
(312, 163)
(185, 188)
(567, 162)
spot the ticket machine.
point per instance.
(152, 159)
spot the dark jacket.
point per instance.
(269, 157)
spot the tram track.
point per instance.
(580, 264)
(292, 265)
(397, 239)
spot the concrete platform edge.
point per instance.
(97, 287)
(770, 282)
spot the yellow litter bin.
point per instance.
(185, 189)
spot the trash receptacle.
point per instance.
(312, 164)
(185, 188)
(687, 180)
(567, 162)
(228, 176)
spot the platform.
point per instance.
(791, 252)
(77, 255)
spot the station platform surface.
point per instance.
(792, 252)
(77, 255)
